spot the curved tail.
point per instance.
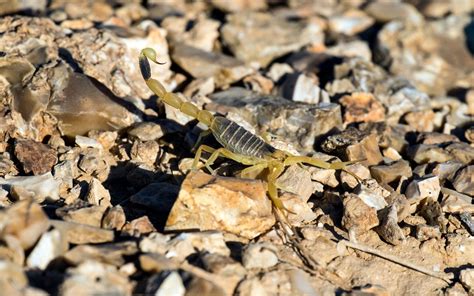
(167, 97)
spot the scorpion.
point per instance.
(238, 144)
(248, 149)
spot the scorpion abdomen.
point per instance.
(237, 139)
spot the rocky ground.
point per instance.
(97, 196)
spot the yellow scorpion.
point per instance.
(237, 143)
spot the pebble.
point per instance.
(26, 221)
(109, 253)
(81, 212)
(93, 277)
(50, 246)
(202, 64)
(372, 194)
(358, 217)
(85, 142)
(147, 131)
(37, 188)
(389, 230)
(464, 180)
(362, 107)
(298, 181)
(388, 173)
(76, 233)
(138, 227)
(350, 23)
(172, 285)
(466, 277)
(35, 157)
(258, 37)
(301, 87)
(426, 187)
(426, 232)
(260, 255)
(233, 205)
(114, 218)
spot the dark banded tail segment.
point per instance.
(239, 140)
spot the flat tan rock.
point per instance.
(238, 206)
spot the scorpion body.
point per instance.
(238, 143)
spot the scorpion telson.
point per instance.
(237, 143)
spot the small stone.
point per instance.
(301, 209)
(426, 187)
(110, 253)
(469, 134)
(85, 142)
(155, 262)
(202, 64)
(145, 152)
(304, 88)
(39, 188)
(260, 37)
(388, 173)
(50, 246)
(105, 138)
(372, 194)
(185, 244)
(98, 194)
(367, 151)
(94, 278)
(464, 180)
(350, 23)
(251, 286)
(278, 70)
(426, 232)
(362, 107)
(259, 83)
(172, 285)
(446, 170)
(12, 278)
(388, 11)
(467, 278)
(79, 24)
(114, 218)
(296, 180)
(435, 138)
(155, 242)
(147, 131)
(24, 220)
(422, 121)
(260, 255)
(234, 205)
(11, 250)
(357, 169)
(83, 213)
(138, 227)
(428, 153)
(324, 176)
(223, 265)
(355, 48)
(389, 230)
(240, 5)
(358, 216)
(391, 154)
(35, 157)
(455, 202)
(82, 234)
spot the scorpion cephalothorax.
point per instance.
(238, 143)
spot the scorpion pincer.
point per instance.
(237, 143)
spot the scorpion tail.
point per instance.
(167, 97)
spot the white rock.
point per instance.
(171, 286)
(85, 142)
(50, 246)
(426, 187)
(277, 71)
(372, 194)
(42, 187)
(260, 255)
(467, 279)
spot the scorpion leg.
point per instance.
(275, 172)
(197, 157)
(255, 169)
(201, 136)
(339, 165)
